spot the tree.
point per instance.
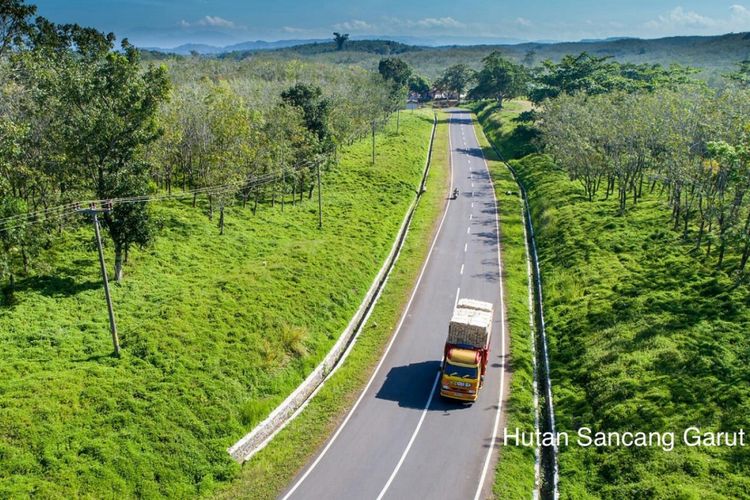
(419, 85)
(394, 71)
(340, 40)
(499, 79)
(742, 76)
(14, 23)
(103, 105)
(316, 110)
(456, 78)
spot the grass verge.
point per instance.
(644, 335)
(514, 474)
(270, 470)
(216, 331)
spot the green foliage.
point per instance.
(643, 336)
(419, 85)
(499, 79)
(591, 75)
(691, 144)
(395, 71)
(456, 79)
(215, 333)
(14, 23)
(340, 39)
(315, 109)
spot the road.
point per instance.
(401, 439)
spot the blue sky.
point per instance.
(168, 23)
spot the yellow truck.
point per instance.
(466, 350)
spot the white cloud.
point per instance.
(681, 18)
(354, 25)
(522, 21)
(740, 13)
(213, 21)
(433, 22)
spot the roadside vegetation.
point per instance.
(273, 468)
(642, 249)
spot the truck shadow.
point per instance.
(410, 385)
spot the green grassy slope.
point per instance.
(215, 330)
(272, 469)
(643, 337)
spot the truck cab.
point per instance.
(461, 377)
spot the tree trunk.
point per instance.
(118, 262)
(221, 219)
(210, 208)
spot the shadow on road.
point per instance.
(410, 386)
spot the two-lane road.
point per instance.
(401, 439)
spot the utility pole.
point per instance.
(373, 142)
(94, 213)
(320, 198)
(398, 119)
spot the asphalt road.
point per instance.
(401, 439)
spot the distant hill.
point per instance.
(376, 47)
(713, 54)
(189, 48)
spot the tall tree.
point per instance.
(394, 71)
(103, 105)
(14, 23)
(456, 78)
(499, 79)
(340, 39)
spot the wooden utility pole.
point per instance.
(320, 199)
(373, 142)
(94, 213)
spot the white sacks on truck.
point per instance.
(471, 324)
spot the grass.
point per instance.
(644, 336)
(215, 331)
(514, 474)
(272, 469)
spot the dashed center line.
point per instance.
(468, 230)
(462, 268)
(466, 247)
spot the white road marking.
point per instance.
(458, 292)
(387, 349)
(411, 441)
(466, 247)
(470, 216)
(462, 269)
(491, 448)
(468, 230)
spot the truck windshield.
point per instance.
(460, 371)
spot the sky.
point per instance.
(168, 23)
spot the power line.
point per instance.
(24, 220)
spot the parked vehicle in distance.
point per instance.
(466, 350)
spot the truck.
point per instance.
(466, 350)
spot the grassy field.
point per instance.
(215, 332)
(269, 471)
(644, 336)
(514, 476)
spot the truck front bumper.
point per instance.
(461, 396)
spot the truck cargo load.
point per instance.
(471, 324)
(466, 350)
